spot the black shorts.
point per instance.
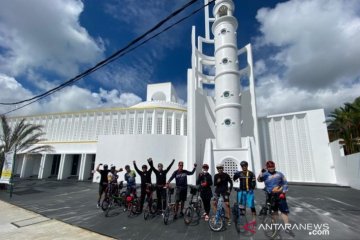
(181, 194)
(225, 195)
(278, 204)
(102, 188)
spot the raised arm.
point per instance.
(231, 183)
(169, 167)
(193, 171)
(172, 177)
(150, 161)
(261, 175)
(98, 167)
(236, 176)
(136, 168)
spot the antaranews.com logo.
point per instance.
(314, 229)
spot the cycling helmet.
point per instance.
(244, 163)
(205, 166)
(220, 165)
(270, 164)
(127, 166)
(144, 166)
(112, 167)
(105, 166)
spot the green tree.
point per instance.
(22, 138)
(345, 123)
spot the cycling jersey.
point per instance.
(247, 180)
(130, 178)
(181, 177)
(274, 179)
(221, 186)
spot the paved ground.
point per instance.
(74, 203)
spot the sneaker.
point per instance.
(290, 232)
(204, 214)
(98, 205)
(206, 217)
(229, 222)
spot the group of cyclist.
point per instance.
(275, 186)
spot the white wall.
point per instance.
(298, 144)
(123, 149)
(347, 168)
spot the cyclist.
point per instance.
(112, 176)
(145, 176)
(205, 182)
(160, 183)
(247, 185)
(130, 179)
(221, 182)
(180, 176)
(103, 181)
(276, 187)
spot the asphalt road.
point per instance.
(75, 203)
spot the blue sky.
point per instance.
(306, 53)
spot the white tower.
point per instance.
(227, 76)
(221, 128)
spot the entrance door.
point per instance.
(75, 165)
(55, 165)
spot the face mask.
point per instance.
(205, 171)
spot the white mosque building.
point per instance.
(223, 128)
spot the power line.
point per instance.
(118, 56)
(113, 57)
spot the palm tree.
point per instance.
(345, 124)
(22, 138)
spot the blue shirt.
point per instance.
(274, 180)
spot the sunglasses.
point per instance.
(180, 165)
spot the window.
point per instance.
(168, 125)
(227, 122)
(185, 126)
(159, 125)
(131, 125)
(122, 126)
(177, 126)
(115, 126)
(149, 125)
(140, 125)
(230, 167)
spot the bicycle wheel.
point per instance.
(188, 216)
(146, 211)
(166, 215)
(109, 208)
(153, 208)
(270, 230)
(105, 204)
(236, 217)
(216, 224)
(199, 208)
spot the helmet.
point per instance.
(205, 166)
(127, 166)
(270, 164)
(144, 166)
(112, 167)
(160, 165)
(105, 166)
(220, 165)
(244, 163)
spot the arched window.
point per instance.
(158, 96)
(230, 166)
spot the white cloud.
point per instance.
(72, 98)
(45, 35)
(318, 58)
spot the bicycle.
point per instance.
(268, 218)
(150, 207)
(113, 198)
(170, 207)
(239, 213)
(133, 203)
(194, 206)
(217, 222)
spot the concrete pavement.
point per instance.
(18, 223)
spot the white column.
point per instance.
(42, 166)
(163, 131)
(82, 167)
(182, 124)
(173, 124)
(153, 129)
(227, 77)
(61, 167)
(23, 166)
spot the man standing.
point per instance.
(245, 195)
(130, 179)
(205, 182)
(180, 176)
(103, 181)
(145, 176)
(221, 182)
(276, 187)
(160, 183)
